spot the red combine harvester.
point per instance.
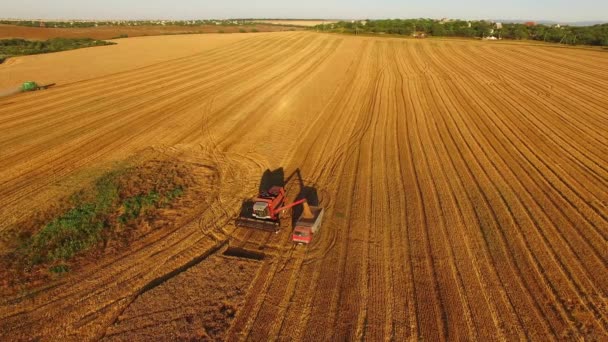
(263, 212)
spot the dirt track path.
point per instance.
(466, 186)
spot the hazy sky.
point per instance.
(560, 10)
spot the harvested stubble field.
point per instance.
(466, 188)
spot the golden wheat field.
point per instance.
(465, 185)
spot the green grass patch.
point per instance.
(22, 47)
(109, 212)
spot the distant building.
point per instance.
(498, 26)
(42, 24)
(530, 23)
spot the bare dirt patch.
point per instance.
(198, 304)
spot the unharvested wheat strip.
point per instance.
(265, 320)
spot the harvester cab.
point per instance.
(266, 202)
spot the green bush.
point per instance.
(59, 269)
(255, 30)
(242, 30)
(92, 218)
(20, 47)
(221, 31)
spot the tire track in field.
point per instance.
(490, 145)
(511, 163)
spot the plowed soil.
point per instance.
(465, 183)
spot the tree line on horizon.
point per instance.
(596, 35)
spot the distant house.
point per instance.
(530, 23)
(444, 20)
(498, 26)
(42, 24)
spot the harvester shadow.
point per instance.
(268, 180)
(277, 178)
(272, 178)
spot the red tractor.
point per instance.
(263, 212)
